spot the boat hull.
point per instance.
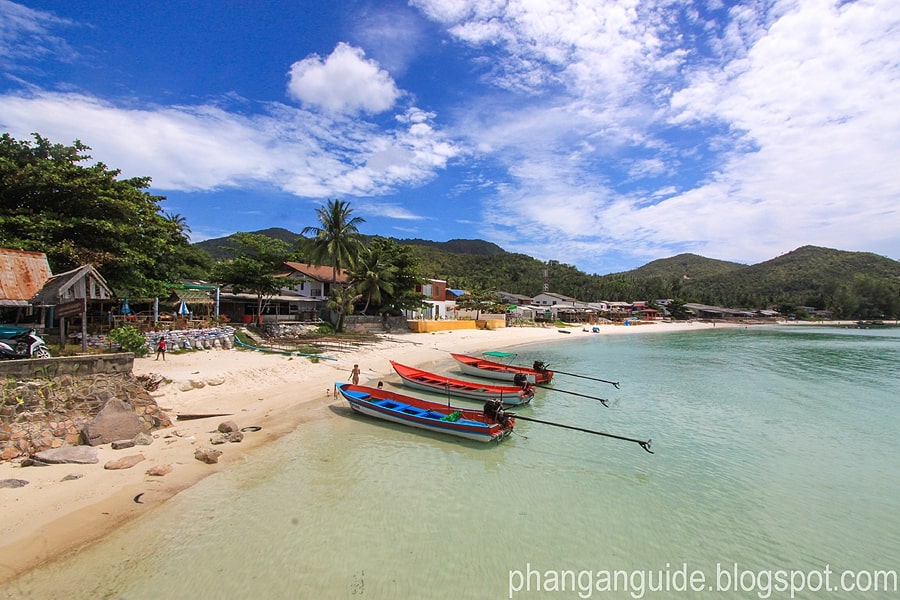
(423, 414)
(479, 367)
(430, 382)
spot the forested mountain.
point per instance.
(850, 284)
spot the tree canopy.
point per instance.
(253, 269)
(51, 201)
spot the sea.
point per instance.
(775, 473)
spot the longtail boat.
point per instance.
(487, 425)
(475, 390)
(480, 367)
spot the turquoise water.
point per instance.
(776, 448)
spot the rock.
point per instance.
(143, 439)
(234, 437)
(208, 455)
(126, 462)
(116, 421)
(9, 453)
(82, 455)
(12, 483)
(217, 439)
(72, 477)
(228, 427)
(122, 444)
(159, 470)
(213, 381)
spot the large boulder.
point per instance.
(116, 421)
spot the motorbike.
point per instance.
(27, 344)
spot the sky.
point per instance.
(601, 134)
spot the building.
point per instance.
(22, 275)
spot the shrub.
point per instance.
(130, 340)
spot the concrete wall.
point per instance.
(31, 368)
(427, 326)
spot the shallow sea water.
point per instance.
(776, 448)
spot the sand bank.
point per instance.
(51, 517)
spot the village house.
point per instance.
(303, 297)
(22, 275)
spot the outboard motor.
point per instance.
(521, 380)
(539, 366)
(493, 410)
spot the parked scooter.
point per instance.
(27, 344)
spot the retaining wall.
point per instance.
(45, 403)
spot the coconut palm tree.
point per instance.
(336, 241)
(179, 221)
(373, 275)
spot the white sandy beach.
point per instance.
(50, 517)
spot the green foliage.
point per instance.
(385, 275)
(336, 242)
(257, 259)
(130, 340)
(341, 301)
(78, 214)
(481, 301)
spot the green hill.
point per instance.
(850, 284)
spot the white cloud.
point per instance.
(786, 112)
(343, 83)
(192, 148)
(25, 34)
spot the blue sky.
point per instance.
(601, 134)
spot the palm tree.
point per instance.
(336, 242)
(374, 275)
(341, 301)
(180, 223)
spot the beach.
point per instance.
(278, 394)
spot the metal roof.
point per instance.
(22, 275)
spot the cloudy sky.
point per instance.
(603, 134)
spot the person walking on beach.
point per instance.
(161, 348)
(354, 375)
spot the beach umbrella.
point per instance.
(126, 310)
(183, 309)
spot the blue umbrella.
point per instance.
(126, 310)
(183, 309)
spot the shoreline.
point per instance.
(51, 518)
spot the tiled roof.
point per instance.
(319, 273)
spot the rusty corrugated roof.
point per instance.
(22, 275)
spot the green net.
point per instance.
(454, 416)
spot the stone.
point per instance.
(122, 444)
(9, 453)
(82, 455)
(126, 462)
(228, 427)
(72, 477)
(116, 421)
(217, 439)
(12, 483)
(159, 470)
(143, 439)
(208, 455)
